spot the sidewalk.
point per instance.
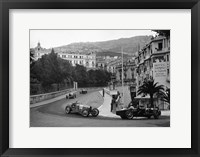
(104, 109)
(47, 101)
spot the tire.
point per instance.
(123, 117)
(156, 116)
(85, 113)
(129, 114)
(67, 109)
(95, 112)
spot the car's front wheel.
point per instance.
(85, 113)
(95, 112)
(129, 114)
(68, 109)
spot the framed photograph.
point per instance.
(115, 78)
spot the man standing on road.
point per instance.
(112, 102)
(103, 92)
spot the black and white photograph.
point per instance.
(99, 77)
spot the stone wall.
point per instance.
(41, 97)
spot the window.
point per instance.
(167, 58)
(93, 64)
(159, 46)
(167, 71)
(63, 56)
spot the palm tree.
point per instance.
(165, 96)
(151, 88)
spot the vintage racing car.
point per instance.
(140, 111)
(79, 108)
(83, 91)
(71, 95)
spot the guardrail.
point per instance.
(41, 97)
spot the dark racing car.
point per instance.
(71, 95)
(83, 91)
(81, 109)
(140, 111)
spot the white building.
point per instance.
(153, 61)
(87, 60)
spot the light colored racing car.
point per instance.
(81, 109)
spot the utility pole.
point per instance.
(122, 74)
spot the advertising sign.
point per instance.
(160, 72)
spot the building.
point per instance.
(153, 61)
(87, 60)
(39, 51)
(101, 63)
(111, 66)
(129, 72)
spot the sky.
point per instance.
(55, 38)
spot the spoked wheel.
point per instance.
(123, 117)
(95, 112)
(67, 110)
(129, 114)
(156, 116)
(85, 113)
(149, 117)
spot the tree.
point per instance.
(151, 88)
(80, 75)
(32, 56)
(51, 69)
(165, 33)
(165, 96)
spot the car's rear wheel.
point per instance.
(149, 117)
(95, 112)
(129, 114)
(67, 109)
(85, 113)
(123, 117)
(156, 115)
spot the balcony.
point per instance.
(163, 50)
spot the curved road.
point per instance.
(53, 115)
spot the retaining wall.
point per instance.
(41, 97)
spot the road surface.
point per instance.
(53, 115)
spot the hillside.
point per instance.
(109, 48)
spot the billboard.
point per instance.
(160, 72)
